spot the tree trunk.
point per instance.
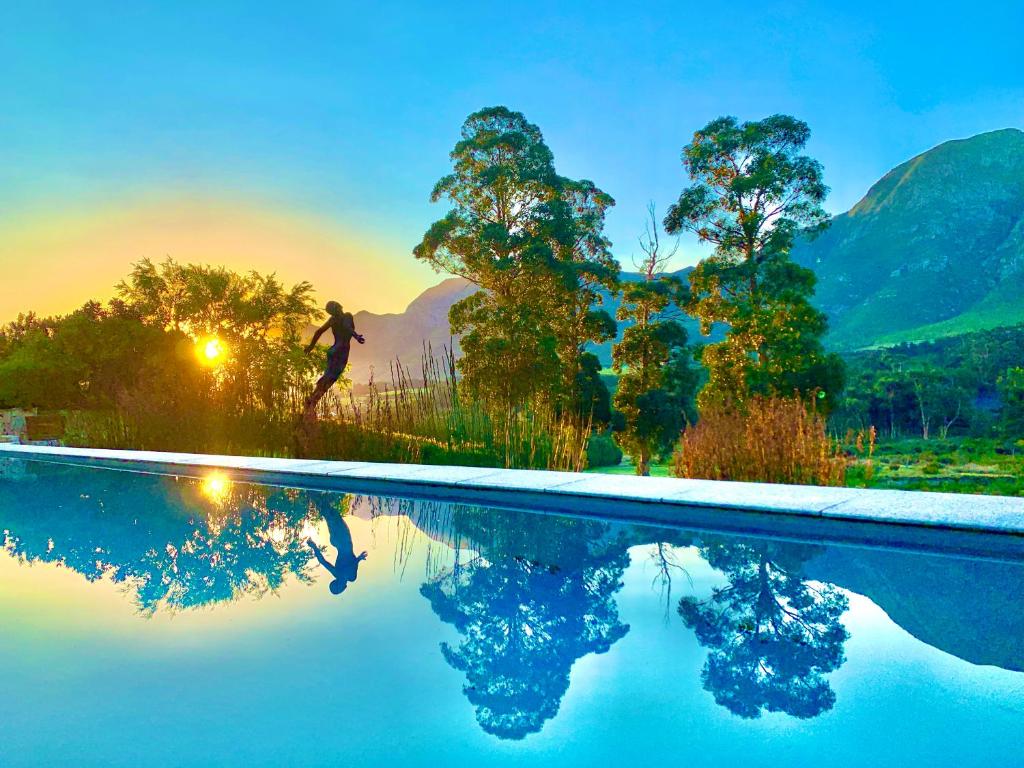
(643, 464)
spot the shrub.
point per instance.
(603, 452)
(771, 439)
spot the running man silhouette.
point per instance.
(346, 564)
(343, 327)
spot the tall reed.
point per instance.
(424, 419)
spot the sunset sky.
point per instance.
(306, 141)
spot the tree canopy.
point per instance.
(751, 193)
(533, 242)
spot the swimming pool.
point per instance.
(153, 620)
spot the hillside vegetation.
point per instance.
(935, 248)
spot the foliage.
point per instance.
(1011, 389)
(948, 386)
(95, 357)
(128, 376)
(427, 421)
(656, 386)
(752, 192)
(603, 452)
(593, 400)
(770, 439)
(532, 241)
(773, 635)
(255, 316)
(137, 354)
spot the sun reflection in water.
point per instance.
(216, 487)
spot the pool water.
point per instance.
(148, 620)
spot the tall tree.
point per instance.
(752, 193)
(656, 382)
(532, 241)
(588, 268)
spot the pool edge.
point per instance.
(960, 522)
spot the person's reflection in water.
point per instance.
(345, 568)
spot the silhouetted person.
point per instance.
(342, 325)
(346, 564)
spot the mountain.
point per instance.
(935, 248)
(402, 336)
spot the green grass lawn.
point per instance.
(956, 465)
(627, 468)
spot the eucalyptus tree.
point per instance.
(532, 242)
(752, 193)
(589, 272)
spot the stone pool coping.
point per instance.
(960, 522)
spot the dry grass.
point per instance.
(771, 440)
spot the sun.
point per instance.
(211, 350)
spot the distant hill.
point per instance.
(402, 336)
(935, 248)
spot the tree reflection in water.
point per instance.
(175, 544)
(773, 635)
(538, 594)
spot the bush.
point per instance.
(603, 452)
(772, 439)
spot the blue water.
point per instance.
(153, 621)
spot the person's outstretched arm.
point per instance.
(316, 336)
(352, 326)
(320, 556)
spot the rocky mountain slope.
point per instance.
(935, 248)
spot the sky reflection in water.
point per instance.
(152, 620)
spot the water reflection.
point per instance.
(171, 544)
(772, 634)
(538, 594)
(345, 568)
(529, 595)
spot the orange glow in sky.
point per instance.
(53, 263)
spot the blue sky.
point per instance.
(343, 113)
